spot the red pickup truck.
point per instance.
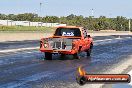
(67, 40)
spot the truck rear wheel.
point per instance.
(89, 50)
(75, 56)
(63, 55)
(48, 56)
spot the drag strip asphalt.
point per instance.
(22, 65)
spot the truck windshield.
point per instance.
(68, 32)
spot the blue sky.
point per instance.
(109, 8)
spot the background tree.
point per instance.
(102, 23)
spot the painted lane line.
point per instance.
(20, 49)
(32, 48)
(103, 40)
(112, 39)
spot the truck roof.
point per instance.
(69, 27)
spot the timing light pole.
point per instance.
(92, 12)
(40, 13)
(40, 8)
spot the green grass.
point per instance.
(25, 28)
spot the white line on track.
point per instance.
(111, 39)
(20, 49)
(32, 48)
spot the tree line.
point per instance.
(118, 23)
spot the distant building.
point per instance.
(36, 24)
(28, 23)
(7, 22)
(22, 23)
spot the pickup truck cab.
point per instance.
(67, 40)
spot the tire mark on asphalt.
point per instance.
(73, 66)
(25, 80)
(19, 57)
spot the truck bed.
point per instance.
(59, 43)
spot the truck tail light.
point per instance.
(45, 45)
(45, 41)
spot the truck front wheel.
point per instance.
(48, 56)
